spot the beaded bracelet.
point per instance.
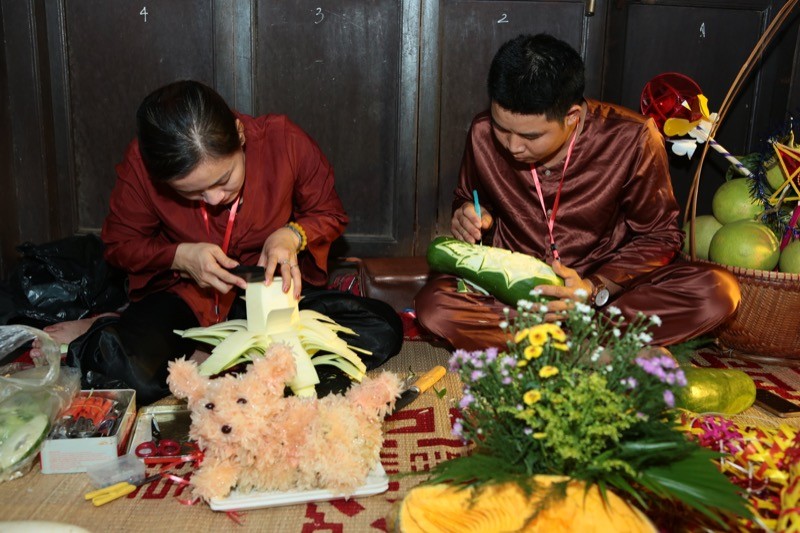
(301, 234)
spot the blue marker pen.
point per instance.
(477, 206)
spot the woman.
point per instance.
(201, 190)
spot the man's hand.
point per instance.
(466, 226)
(572, 282)
(206, 263)
(280, 250)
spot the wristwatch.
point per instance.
(600, 293)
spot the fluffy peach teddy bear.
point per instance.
(254, 438)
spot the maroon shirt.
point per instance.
(617, 215)
(286, 178)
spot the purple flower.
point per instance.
(476, 375)
(491, 354)
(630, 382)
(458, 429)
(507, 380)
(466, 401)
(669, 398)
(458, 357)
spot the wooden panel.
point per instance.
(116, 53)
(346, 75)
(8, 230)
(708, 41)
(29, 202)
(471, 33)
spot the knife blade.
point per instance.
(249, 273)
(420, 385)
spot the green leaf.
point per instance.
(698, 483)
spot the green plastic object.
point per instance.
(716, 390)
(506, 275)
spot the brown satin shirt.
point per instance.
(617, 215)
(286, 178)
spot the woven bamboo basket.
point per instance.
(766, 326)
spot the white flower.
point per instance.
(503, 324)
(645, 338)
(616, 332)
(655, 320)
(609, 368)
(613, 310)
(542, 308)
(583, 308)
(581, 293)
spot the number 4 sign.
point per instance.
(143, 13)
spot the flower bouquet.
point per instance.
(583, 400)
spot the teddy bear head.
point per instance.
(224, 409)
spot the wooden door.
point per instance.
(346, 72)
(106, 57)
(466, 34)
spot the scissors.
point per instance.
(109, 494)
(156, 447)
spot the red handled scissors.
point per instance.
(157, 447)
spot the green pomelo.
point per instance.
(790, 258)
(745, 244)
(716, 390)
(705, 226)
(732, 202)
(775, 177)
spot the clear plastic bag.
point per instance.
(31, 396)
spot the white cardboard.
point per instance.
(377, 482)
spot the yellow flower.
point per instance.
(531, 397)
(539, 435)
(532, 352)
(520, 336)
(538, 335)
(556, 333)
(522, 362)
(548, 371)
(560, 346)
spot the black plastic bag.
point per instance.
(67, 279)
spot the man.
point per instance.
(581, 184)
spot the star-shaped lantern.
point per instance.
(789, 161)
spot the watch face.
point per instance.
(602, 297)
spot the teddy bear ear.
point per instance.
(185, 381)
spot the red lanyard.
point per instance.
(551, 223)
(226, 240)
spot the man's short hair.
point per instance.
(537, 75)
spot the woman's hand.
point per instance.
(565, 296)
(465, 224)
(206, 263)
(280, 250)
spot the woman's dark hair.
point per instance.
(181, 125)
(537, 75)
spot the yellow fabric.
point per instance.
(502, 508)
